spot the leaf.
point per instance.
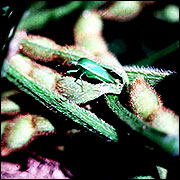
(60, 105)
(37, 18)
(81, 91)
(74, 90)
(152, 75)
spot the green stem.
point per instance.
(159, 54)
(39, 19)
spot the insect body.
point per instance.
(92, 70)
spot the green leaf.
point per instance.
(74, 90)
(60, 105)
(152, 75)
(81, 91)
(38, 20)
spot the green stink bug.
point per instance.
(92, 70)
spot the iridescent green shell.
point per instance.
(93, 70)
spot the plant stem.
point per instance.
(39, 19)
(159, 54)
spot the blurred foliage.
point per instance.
(10, 15)
(142, 33)
(170, 13)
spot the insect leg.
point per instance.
(80, 77)
(94, 77)
(70, 71)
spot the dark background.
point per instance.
(88, 156)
